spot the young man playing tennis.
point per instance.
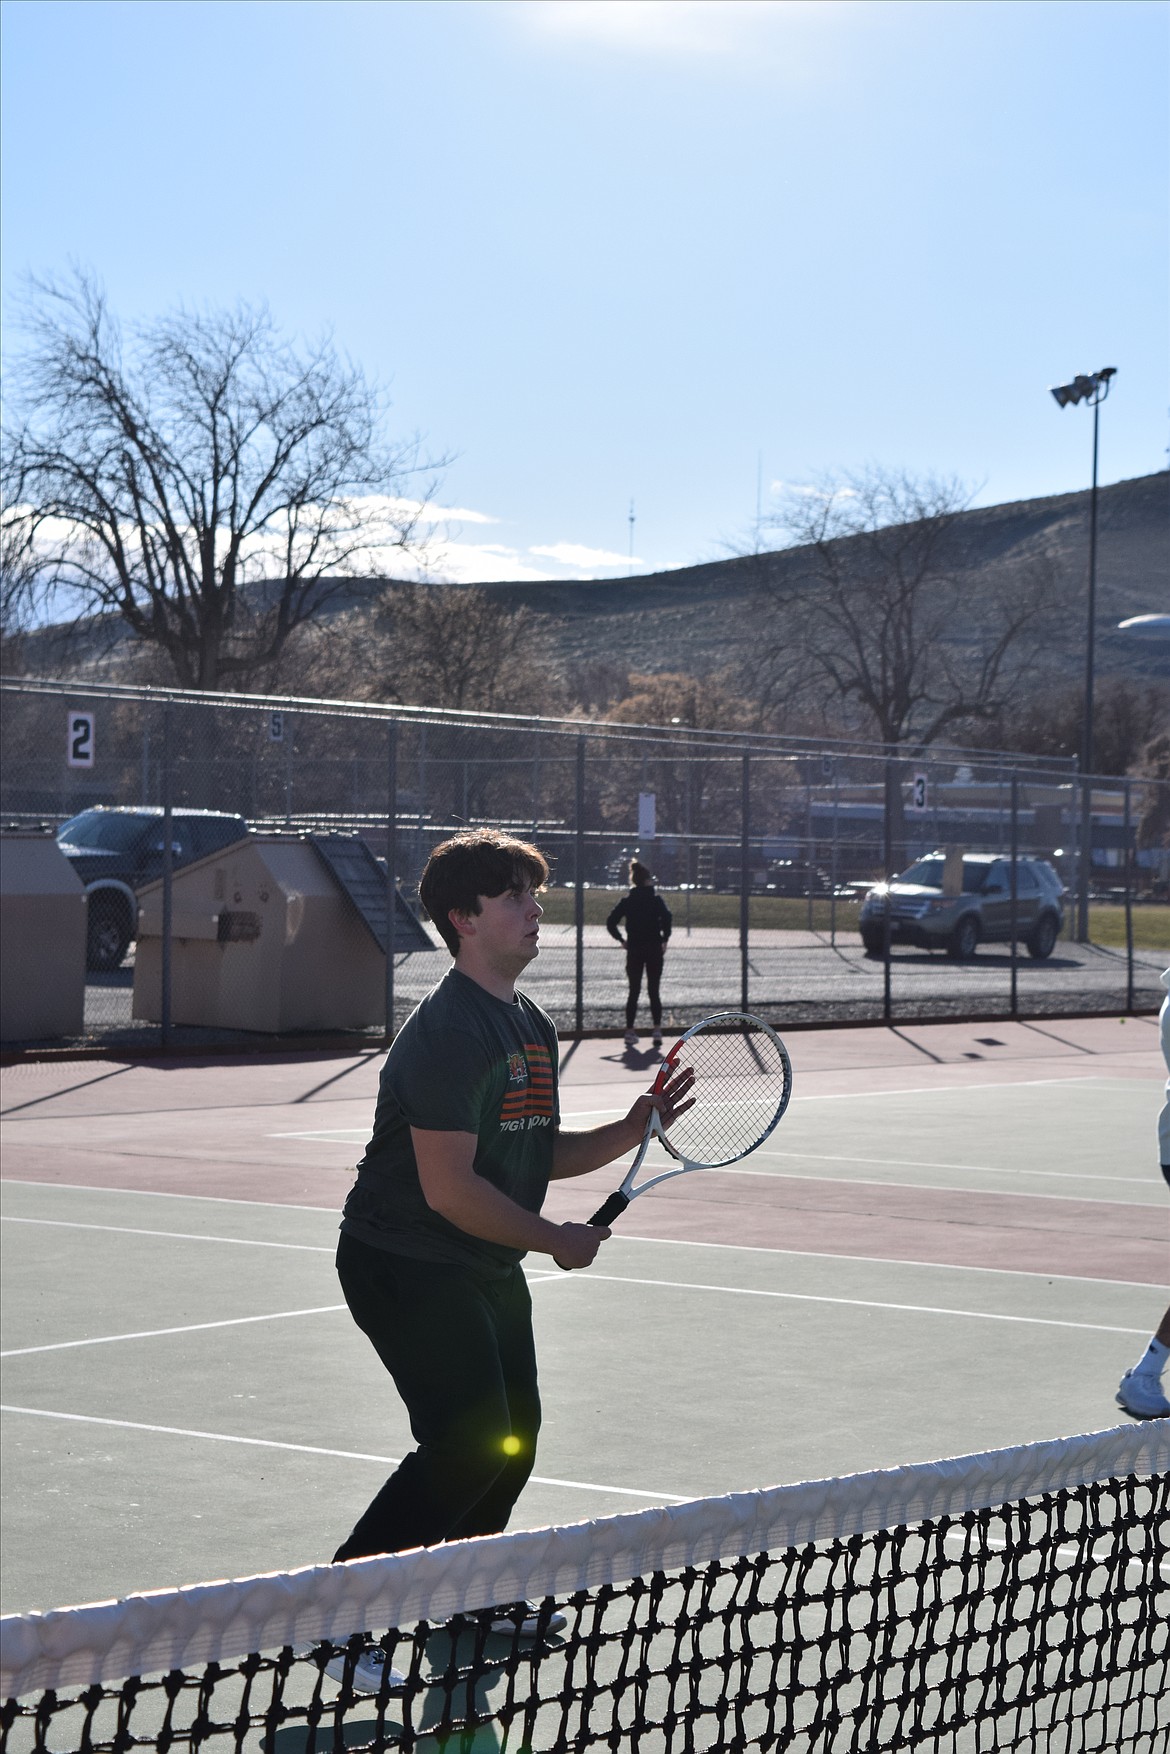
(447, 1202)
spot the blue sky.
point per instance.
(603, 250)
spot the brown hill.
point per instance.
(699, 618)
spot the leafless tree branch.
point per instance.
(875, 613)
(210, 484)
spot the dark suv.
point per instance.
(923, 912)
(117, 851)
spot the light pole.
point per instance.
(1092, 388)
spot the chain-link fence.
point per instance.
(239, 896)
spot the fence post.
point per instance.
(1015, 889)
(808, 850)
(888, 922)
(167, 864)
(579, 882)
(1128, 830)
(834, 878)
(744, 880)
(1085, 859)
(391, 869)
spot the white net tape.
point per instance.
(187, 1628)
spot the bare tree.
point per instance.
(436, 645)
(457, 646)
(873, 611)
(209, 483)
(1154, 769)
(1127, 716)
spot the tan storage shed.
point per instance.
(42, 939)
(262, 938)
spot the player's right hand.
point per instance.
(578, 1244)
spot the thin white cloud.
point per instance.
(576, 554)
(453, 514)
(803, 490)
(440, 554)
(478, 563)
(425, 511)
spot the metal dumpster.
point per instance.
(42, 939)
(263, 937)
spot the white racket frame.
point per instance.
(655, 1129)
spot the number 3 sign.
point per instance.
(79, 742)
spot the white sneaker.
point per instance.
(366, 1674)
(1141, 1395)
(657, 1038)
(524, 1618)
(631, 1038)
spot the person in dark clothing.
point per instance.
(467, 1136)
(648, 921)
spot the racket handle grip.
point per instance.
(613, 1208)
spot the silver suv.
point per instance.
(956, 910)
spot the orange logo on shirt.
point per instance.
(528, 1101)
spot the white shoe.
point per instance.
(525, 1619)
(366, 1674)
(657, 1038)
(631, 1038)
(1141, 1395)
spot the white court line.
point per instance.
(1072, 1175)
(250, 1242)
(976, 1315)
(538, 1276)
(862, 1181)
(892, 1163)
(826, 1157)
(279, 1315)
(745, 1248)
(360, 1135)
(310, 1449)
(749, 1248)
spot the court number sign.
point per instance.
(79, 744)
(919, 796)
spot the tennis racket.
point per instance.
(743, 1082)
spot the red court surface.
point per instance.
(259, 1129)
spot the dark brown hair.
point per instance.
(480, 861)
(640, 873)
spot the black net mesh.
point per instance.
(1039, 1624)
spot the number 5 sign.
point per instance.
(79, 743)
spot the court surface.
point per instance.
(957, 1239)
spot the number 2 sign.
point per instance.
(79, 748)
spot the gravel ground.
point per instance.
(793, 977)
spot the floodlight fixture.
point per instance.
(1092, 389)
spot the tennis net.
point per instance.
(1018, 1599)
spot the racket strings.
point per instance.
(742, 1084)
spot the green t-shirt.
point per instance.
(463, 1062)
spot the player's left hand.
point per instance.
(671, 1101)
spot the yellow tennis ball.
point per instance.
(511, 1446)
